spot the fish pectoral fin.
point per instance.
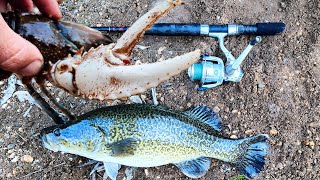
(111, 170)
(195, 168)
(205, 116)
(123, 147)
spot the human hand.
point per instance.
(17, 54)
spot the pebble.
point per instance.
(20, 129)
(135, 99)
(146, 172)
(310, 143)
(15, 159)
(10, 146)
(249, 131)
(216, 109)
(273, 132)
(12, 155)
(27, 158)
(10, 151)
(9, 175)
(233, 137)
(4, 106)
(234, 111)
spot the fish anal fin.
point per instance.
(205, 117)
(195, 168)
(123, 147)
(111, 170)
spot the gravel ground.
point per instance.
(279, 94)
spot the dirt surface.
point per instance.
(279, 94)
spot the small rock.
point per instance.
(283, 5)
(216, 109)
(310, 143)
(261, 85)
(15, 159)
(4, 106)
(161, 49)
(233, 137)
(10, 151)
(12, 155)
(143, 97)
(9, 175)
(146, 172)
(234, 111)
(10, 146)
(273, 132)
(135, 99)
(189, 104)
(249, 131)
(49, 84)
(27, 158)
(20, 129)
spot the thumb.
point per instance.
(17, 54)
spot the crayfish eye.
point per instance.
(56, 132)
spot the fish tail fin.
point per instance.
(253, 158)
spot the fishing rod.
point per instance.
(212, 71)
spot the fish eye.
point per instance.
(56, 132)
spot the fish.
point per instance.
(140, 135)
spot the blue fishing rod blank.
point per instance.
(187, 29)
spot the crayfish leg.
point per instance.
(40, 82)
(55, 116)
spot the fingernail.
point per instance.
(31, 69)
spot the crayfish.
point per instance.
(105, 72)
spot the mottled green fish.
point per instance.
(148, 136)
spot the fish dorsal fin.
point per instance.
(195, 168)
(205, 116)
(123, 147)
(111, 170)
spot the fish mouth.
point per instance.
(47, 143)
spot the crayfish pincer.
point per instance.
(104, 72)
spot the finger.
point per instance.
(17, 54)
(23, 5)
(3, 6)
(49, 7)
